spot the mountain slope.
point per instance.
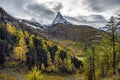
(5, 17)
(72, 32)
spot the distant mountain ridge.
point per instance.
(33, 24)
(73, 32)
(60, 28)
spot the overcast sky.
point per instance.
(91, 12)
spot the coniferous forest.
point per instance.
(60, 51)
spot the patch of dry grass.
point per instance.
(4, 76)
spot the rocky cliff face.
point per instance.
(60, 19)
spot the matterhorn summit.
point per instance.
(60, 19)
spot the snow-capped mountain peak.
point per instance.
(60, 19)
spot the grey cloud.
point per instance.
(58, 7)
(41, 10)
(16, 4)
(101, 5)
(92, 18)
(72, 18)
(97, 18)
(87, 19)
(15, 7)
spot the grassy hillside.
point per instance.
(73, 32)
